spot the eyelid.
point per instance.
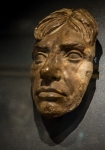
(39, 57)
(76, 52)
(42, 53)
(35, 53)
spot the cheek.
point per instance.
(70, 78)
(34, 73)
(77, 77)
(35, 77)
(85, 71)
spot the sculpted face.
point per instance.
(60, 73)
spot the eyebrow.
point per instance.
(77, 46)
(40, 48)
(66, 47)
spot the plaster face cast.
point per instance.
(62, 61)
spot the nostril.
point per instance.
(55, 78)
(46, 82)
(56, 75)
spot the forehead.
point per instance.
(63, 36)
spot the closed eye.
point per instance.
(74, 55)
(40, 57)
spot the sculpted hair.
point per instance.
(80, 20)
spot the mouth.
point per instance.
(49, 94)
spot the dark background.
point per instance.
(18, 130)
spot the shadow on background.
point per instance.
(58, 129)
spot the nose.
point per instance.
(50, 71)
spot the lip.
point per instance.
(49, 91)
(49, 94)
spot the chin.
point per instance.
(50, 110)
(54, 109)
(51, 115)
